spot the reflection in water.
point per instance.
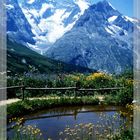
(53, 121)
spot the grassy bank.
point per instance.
(28, 106)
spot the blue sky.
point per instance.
(123, 6)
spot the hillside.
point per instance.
(20, 59)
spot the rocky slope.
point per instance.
(101, 39)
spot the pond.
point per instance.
(53, 121)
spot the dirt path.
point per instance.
(10, 101)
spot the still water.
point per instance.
(53, 121)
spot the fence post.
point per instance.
(23, 89)
(75, 92)
(77, 88)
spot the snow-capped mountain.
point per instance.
(101, 39)
(50, 19)
(74, 31)
(18, 28)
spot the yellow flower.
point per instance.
(97, 75)
(77, 78)
(129, 82)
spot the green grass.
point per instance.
(122, 97)
(28, 106)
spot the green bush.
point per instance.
(95, 80)
(125, 135)
(122, 97)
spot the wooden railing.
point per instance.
(76, 89)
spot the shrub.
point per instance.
(124, 135)
(95, 80)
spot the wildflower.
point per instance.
(134, 101)
(97, 75)
(61, 133)
(90, 134)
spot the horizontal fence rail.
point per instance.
(61, 88)
(101, 89)
(12, 87)
(24, 88)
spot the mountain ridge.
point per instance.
(97, 36)
(18, 28)
(100, 39)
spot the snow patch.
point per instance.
(130, 19)
(36, 31)
(138, 27)
(108, 30)
(34, 48)
(34, 12)
(111, 5)
(83, 5)
(115, 29)
(111, 19)
(66, 15)
(48, 30)
(9, 6)
(54, 25)
(45, 6)
(30, 1)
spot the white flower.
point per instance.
(134, 101)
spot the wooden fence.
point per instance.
(75, 89)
